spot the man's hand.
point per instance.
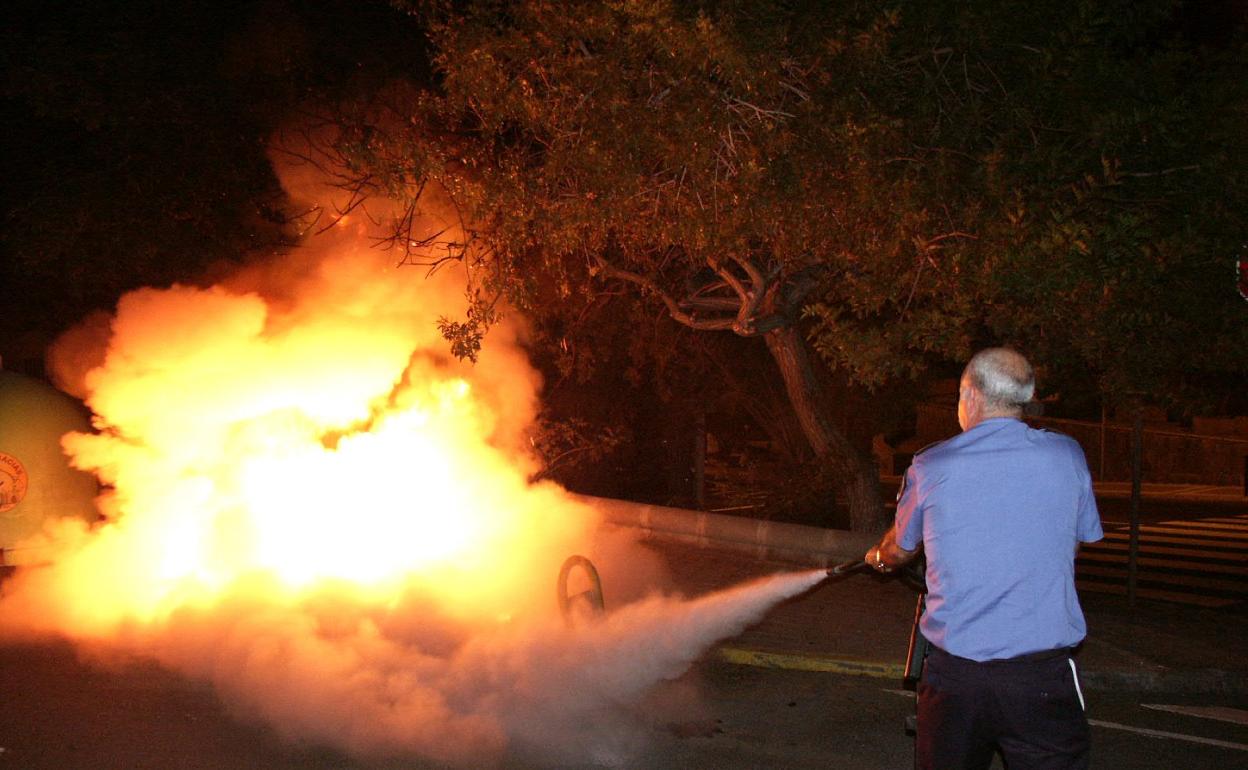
(875, 557)
(886, 555)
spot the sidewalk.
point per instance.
(860, 623)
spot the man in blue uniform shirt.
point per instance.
(999, 510)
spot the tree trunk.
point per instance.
(857, 479)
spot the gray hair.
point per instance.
(1004, 377)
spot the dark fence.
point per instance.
(1171, 456)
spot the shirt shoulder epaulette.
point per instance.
(901, 489)
(929, 446)
(1056, 434)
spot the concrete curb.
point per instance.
(761, 539)
(1199, 681)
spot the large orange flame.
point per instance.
(317, 435)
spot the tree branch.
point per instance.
(1163, 172)
(673, 306)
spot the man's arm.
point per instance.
(886, 555)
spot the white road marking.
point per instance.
(1074, 672)
(1221, 713)
(1167, 734)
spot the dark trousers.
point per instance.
(1030, 708)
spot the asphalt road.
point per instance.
(58, 713)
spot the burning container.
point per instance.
(36, 480)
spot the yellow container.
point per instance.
(36, 480)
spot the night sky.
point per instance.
(135, 133)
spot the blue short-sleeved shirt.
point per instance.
(1000, 510)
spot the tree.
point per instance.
(1099, 150)
(1137, 251)
(677, 152)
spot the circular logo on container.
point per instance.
(13, 480)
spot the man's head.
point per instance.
(996, 383)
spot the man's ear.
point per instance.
(974, 403)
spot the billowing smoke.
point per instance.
(313, 506)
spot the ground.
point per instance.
(59, 713)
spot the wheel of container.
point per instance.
(593, 596)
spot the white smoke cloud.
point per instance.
(537, 688)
